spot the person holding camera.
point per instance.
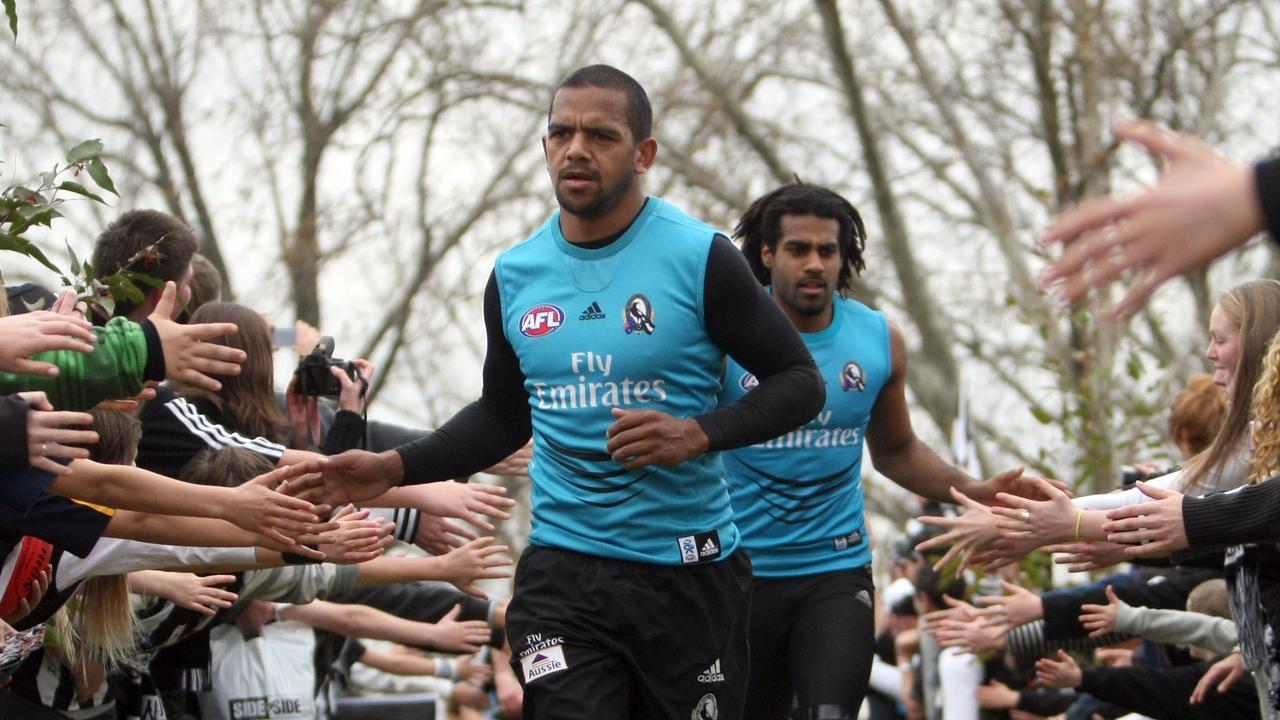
(184, 419)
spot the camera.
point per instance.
(313, 376)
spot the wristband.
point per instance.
(446, 669)
(1079, 519)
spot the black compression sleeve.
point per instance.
(746, 323)
(488, 429)
(1267, 176)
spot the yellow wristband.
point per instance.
(1079, 519)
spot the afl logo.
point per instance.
(637, 316)
(852, 377)
(541, 320)
(748, 382)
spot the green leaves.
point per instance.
(88, 154)
(23, 207)
(75, 187)
(26, 247)
(98, 171)
(87, 150)
(11, 9)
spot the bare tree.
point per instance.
(966, 125)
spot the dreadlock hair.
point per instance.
(759, 227)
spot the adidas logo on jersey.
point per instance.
(712, 674)
(593, 312)
(709, 549)
(699, 547)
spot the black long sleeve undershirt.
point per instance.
(1267, 176)
(740, 318)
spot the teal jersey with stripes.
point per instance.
(620, 327)
(797, 498)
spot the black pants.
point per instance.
(614, 640)
(812, 637)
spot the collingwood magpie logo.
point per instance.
(637, 315)
(593, 312)
(852, 377)
(706, 709)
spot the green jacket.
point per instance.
(126, 356)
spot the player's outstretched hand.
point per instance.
(1203, 206)
(357, 475)
(22, 336)
(638, 438)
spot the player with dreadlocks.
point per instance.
(797, 498)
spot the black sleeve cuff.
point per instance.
(13, 432)
(346, 432)
(154, 369)
(1267, 176)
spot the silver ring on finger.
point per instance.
(44, 449)
(1024, 515)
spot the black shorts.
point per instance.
(812, 638)
(612, 640)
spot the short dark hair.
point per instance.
(639, 111)
(225, 467)
(759, 226)
(934, 584)
(206, 282)
(135, 231)
(118, 436)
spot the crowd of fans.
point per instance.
(1184, 630)
(160, 556)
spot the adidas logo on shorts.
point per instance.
(593, 312)
(712, 674)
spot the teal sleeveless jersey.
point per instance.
(797, 499)
(617, 327)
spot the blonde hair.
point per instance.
(97, 626)
(1254, 309)
(1210, 598)
(1266, 417)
